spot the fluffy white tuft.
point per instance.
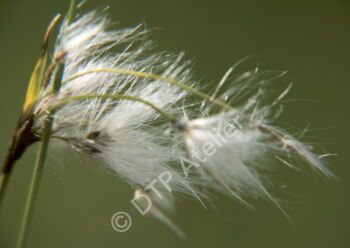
(227, 140)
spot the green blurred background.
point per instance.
(310, 39)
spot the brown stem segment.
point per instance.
(21, 140)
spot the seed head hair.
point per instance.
(142, 113)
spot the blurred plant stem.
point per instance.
(3, 186)
(35, 183)
(42, 154)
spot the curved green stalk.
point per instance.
(182, 85)
(63, 102)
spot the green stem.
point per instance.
(152, 76)
(39, 165)
(70, 12)
(4, 179)
(63, 102)
(34, 183)
(40, 162)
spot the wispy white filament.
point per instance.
(133, 139)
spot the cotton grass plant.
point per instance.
(104, 93)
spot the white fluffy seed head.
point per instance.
(229, 148)
(122, 133)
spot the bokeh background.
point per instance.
(310, 39)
